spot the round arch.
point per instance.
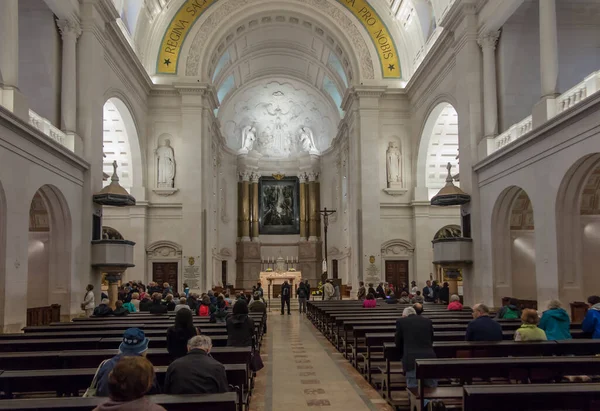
(448, 231)
(513, 246)
(447, 131)
(399, 249)
(571, 233)
(132, 162)
(59, 252)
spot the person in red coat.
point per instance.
(455, 304)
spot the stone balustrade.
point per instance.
(46, 127)
(568, 99)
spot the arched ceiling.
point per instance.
(365, 30)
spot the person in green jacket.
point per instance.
(529, 330)
(556, 322)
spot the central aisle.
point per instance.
(304, 372)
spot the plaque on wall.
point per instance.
(191, 271)
(278, 210)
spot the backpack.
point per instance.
(286, 291)
(301, 292)
(510, 314)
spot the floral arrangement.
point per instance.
(269, 270)
(292, 269)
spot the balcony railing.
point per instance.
(565, 101)
(46, 127)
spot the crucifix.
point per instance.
(326, 213)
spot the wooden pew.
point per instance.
(92, 358)
(205, 402)
(531, 397)
(522, 368)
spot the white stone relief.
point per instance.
(278, 120)
(394, 165)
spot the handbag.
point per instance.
(256, 362)
(91, 391)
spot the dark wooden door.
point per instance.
(165, 273)
(396, 272)
(224, 273)
(334, 264)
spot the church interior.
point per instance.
(218, 144)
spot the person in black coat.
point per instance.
(444, 294)
(483, 327)
(240, 327)
(428, 292)
(103, 310)
(179, 334)
(414, 338)
(286, 295)
(119, 311)
(145, 304)
(371, 290)
(157, 306)
(197, 372)
(380, 291)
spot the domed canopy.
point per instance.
(450, 194)
(113, 194)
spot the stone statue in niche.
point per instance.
(394, 165)
(165, 159)
(248, 138)
(307, 140)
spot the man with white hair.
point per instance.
(197, 372)
(414, 339)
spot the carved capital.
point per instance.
(302, 177)
(254, 176)
(245, 175)
(313, 176)
(68, 28)
(488, 40)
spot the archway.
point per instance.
(121, 144)
(49, 250)
(437, 148)
(513, 237)
(578, 229)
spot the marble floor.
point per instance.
(303, 371)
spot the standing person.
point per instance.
(414, 339)
(302, 295)
(129, 381)
(337, 295)
(413, 287)
(179, 334)
(134, 344)
(529, 331)
(328, 290)
(436, 291)
(186, 290)
(444, 295)
(89, 301)
(591, 322)
(428, 292)
(286, 292)
(197, 372)
(260, 290)
(307, 285)
(240, 327)
(556, 322)
(483, 327)
(362, 291)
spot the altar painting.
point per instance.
(278, 206)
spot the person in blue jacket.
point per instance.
(556, 322)
(591, 322)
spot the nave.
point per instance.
(303, 371)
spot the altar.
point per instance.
(272, 281)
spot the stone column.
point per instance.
(245, 206)
(10, 97)
(240, 214)
(487, 42)
(313, 206)
(113, 288)
(70, 31)
(254, 184)
(545, 109)
(303, 193)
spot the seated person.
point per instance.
(391, 298)
(455, 304)
(182, 304)
(169, 303)
(197, 372)
(483, 327)
(103, 309)
(556, 322)
(510, 311)
(157, 306)
(591, 322)
(179, 334)
(129, 381)
(145, 304)
(417, 298)
(404, 298)
(529, 330)
(120, 310)
(240, 327)
(370, 302)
